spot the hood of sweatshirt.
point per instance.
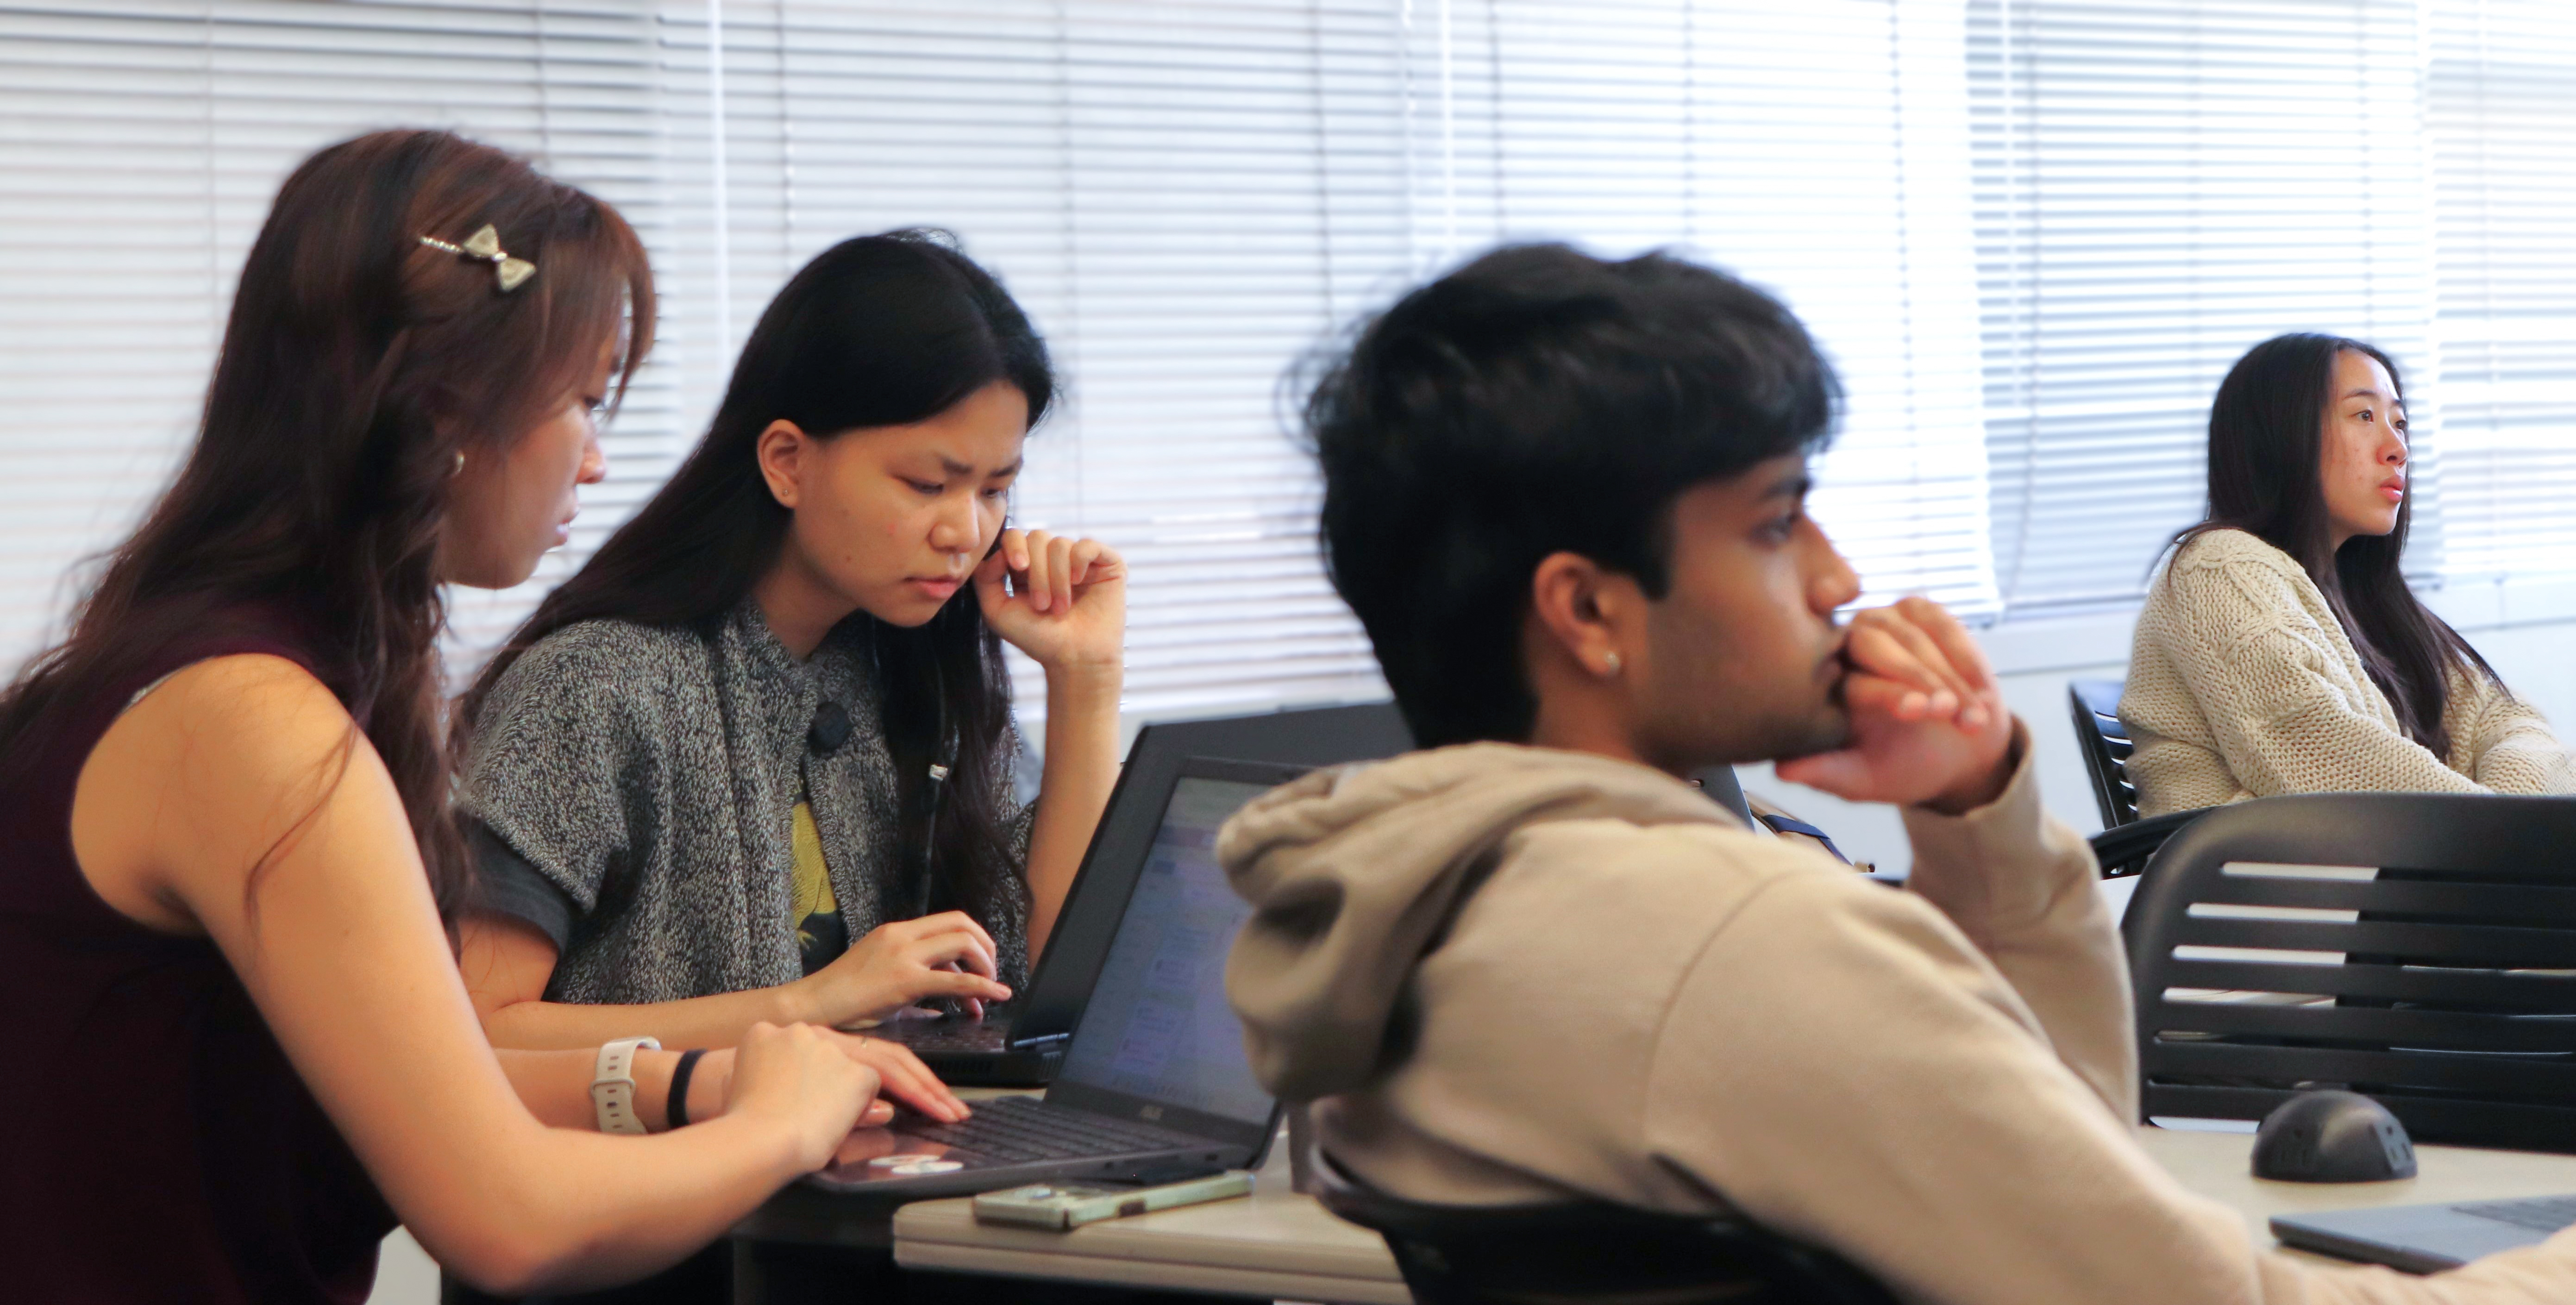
(1354, 874)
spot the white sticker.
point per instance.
(894, 1161)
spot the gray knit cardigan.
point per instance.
(650, 773)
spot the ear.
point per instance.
(781, 453)
(1584, 609)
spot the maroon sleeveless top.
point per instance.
(155, 1144)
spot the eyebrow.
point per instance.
(1792, 485)
(955, 468)
(2367, 393)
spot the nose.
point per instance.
(957, 526)
(594, 461)
(1831, 582)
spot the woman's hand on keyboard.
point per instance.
(903, 1077)
(797, 1078)
(898, 964)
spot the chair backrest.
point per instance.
(2416, 947)
(2104, 741)
(1590, 1253)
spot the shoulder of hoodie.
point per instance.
(1707, 872)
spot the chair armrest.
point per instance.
(2125, 849)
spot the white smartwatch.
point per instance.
(612, 1085)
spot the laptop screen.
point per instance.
(1158, 1025)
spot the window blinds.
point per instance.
(1183, 197)
(2500, 95)
(140, 145)
(1189, 197)
(2157, 188)
(2033, 233)
(1818, 150)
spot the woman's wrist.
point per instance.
(652, 1071)
(1085, 681)
(710, 1085)
(797, 1001)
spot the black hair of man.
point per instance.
(1537, 400)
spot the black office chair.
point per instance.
(2126, 843)
(1589, 1253)
(2105, 744)
(2445, 986)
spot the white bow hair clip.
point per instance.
(510, 273)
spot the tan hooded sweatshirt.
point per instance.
(1513, 974)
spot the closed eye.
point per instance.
(926, 488)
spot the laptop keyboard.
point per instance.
(1021, 1130)
(961, 1036)
(2540, 1214)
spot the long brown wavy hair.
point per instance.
(356, 366)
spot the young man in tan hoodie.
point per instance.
(1565, 498)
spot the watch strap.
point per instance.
(612, 1085)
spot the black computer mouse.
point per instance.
(2332, 1137)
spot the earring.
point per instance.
(1610, 664)
(460, 464)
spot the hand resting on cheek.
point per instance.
(1928, 722)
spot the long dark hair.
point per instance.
(356, 366)
(881, 330)
(2266, 444)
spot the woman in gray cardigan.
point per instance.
(754, 761)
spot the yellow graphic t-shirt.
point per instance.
(821, 935)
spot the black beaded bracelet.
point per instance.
(679, 1104)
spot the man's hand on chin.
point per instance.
(1928, 723)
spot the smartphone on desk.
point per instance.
(1073, 1204)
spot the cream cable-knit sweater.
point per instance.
(2242, 685)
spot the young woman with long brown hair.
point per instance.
(2280, 650)
(755, 761)
(226, 972)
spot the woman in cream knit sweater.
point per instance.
(2280, 650)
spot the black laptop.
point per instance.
(1020, 1044)
(1154, 1079)
(2428, 1238)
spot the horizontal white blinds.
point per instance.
(2500, 114)
(1816, 149)
(140, 145)
(2159, 187)
(1184, 197)
(1189, 197)
(2033, 234)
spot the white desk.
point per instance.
(1273, 1244)
(2214, 1165)
(1279, 1245)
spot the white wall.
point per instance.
(405, 1275)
